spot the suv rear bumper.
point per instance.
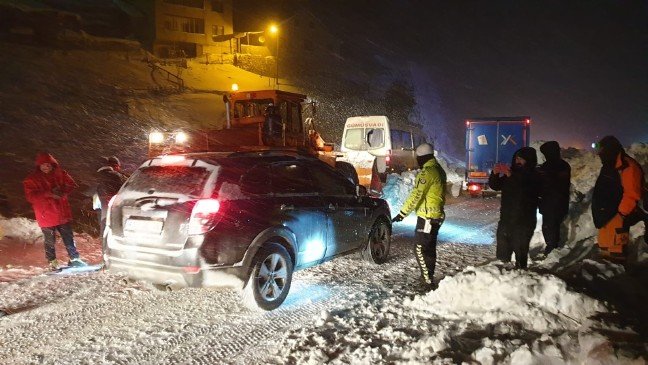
(181, 268)
(174, 268)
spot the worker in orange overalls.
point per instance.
(617, 193)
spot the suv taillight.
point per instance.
(202, 215)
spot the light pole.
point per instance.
(275, 31)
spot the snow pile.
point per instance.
(491, 294)
(397, 188)
(603, 270)
(486, 315)
(19, 229)
(22, 254)
(521, 317)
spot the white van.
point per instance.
(370, 138)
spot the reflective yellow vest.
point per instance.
(428, 195)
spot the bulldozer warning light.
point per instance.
(181, 137)
(156, 137)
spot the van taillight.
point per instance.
(202, 215)
(388, 157)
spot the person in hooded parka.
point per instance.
(47, 189)
(555, 177)
(110, 179)
(618, 191)
(520, 187)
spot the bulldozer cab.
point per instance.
(278, 115)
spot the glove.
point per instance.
(398, 218)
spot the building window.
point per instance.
(184, 24)
(190, 3)
(218, 30)
(217, 5)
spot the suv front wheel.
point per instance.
(270, 278)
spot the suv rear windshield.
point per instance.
(169, 179)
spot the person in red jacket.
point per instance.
(47, 189)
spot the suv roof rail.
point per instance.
(273, 151)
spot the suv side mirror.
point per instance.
(361, 190)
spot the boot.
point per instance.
(77, 262)
(54, 264)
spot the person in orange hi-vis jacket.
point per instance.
(617, 193)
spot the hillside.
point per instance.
(80, 105)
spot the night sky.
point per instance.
(578, 68)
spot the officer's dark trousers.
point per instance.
(425, 249)
(514, 238)
(551, 231)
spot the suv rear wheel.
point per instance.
(377, 248)
(270, 278)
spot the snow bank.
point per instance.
(522, 318)
(491, 294)
(397, 188)
(19, 229)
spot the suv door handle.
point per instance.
(331, 206)
(286, 207)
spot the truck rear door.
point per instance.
(481, 140)
(490, 142)
(511, 137)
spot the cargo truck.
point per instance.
(490, 141)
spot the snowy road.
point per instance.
(100, 318)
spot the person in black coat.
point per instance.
(555, 177)
(520, 187)
(109, 180)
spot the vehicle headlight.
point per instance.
(156, 137)
(181, 137)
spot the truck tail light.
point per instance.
(202, 216)
(474, 189)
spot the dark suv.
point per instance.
(205, 219)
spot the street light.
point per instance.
(274, 29)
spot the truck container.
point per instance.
(490, 141)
